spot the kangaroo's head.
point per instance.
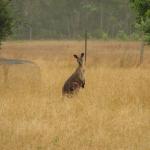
(79, 59)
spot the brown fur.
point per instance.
(76, 80)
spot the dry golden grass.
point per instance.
(111, 113)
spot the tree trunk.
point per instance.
(30, 33)
(0, 49)
(101, 16)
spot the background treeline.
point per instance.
(68, 19)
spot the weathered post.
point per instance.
(86, 38)
(141, 52)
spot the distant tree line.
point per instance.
(68, 19)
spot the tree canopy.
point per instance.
(5, 20)
(142, 8)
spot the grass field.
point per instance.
(111, 113)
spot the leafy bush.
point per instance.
(122, 35)
(104, 36)
(135, 36)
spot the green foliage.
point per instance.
(5, 19)
(122, 35)
(104, 36)
(146, 30)
(70, 18)
(98, 34)
(142, 8)
(135, 36)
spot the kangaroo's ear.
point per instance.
(82, 55)
(75, 56)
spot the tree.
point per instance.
(142, 8)
(5, 20)
(67, 19)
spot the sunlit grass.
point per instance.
(111, 113)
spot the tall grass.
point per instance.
(111, 113)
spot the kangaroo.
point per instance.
(76, 80)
